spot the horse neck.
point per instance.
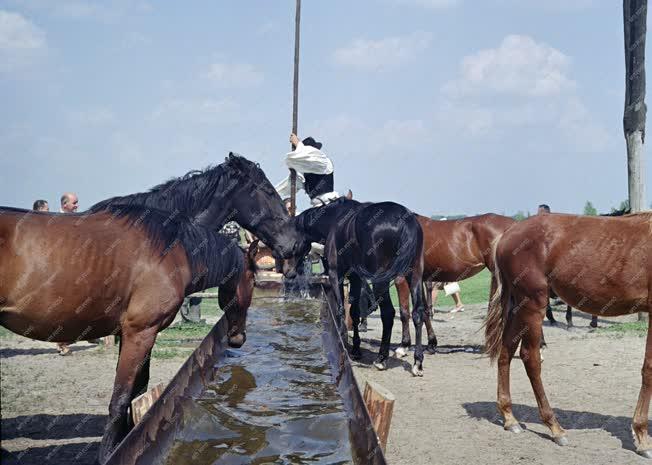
(318, 231)
(180, 197)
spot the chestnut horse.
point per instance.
(237, 190)
(453, 250)
(71, 277)
(599, 265)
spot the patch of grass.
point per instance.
(474, 290)
(637, 328)
(210, 307)
(179, 340)
(4, 332)
(168, 353)
(185, 330)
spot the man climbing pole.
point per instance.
(314, 171)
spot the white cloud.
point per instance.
(520, 85)
(233, 75)
(383, 54)
(519, 66)
(21, 41)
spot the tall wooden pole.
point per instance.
(635, 22)
(295, 104)
(635, 18)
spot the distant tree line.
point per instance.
(520, 215)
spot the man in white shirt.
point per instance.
(314, 171)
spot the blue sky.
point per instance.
(446, 106)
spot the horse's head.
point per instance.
(256, 206)
(235, 300)
(315, 224)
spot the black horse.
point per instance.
(236, 190)
(375, 242)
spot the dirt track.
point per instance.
(53, 408)
(449, 416)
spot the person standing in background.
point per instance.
(69, 203)
(41, 206)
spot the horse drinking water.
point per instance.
(235, 190)
(122, 271)
(375, 242)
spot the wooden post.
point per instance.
(635, 27)
(141, 404)
(380, 404)
(635, 20)
(295, 103)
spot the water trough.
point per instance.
(301, 404)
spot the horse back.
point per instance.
(82, 269)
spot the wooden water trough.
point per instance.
(151, 440)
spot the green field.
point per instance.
(474, 290)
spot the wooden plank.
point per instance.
(141, 404)
(380, 404)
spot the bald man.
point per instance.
(69, 202)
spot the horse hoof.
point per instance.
(401, 351)
(431, 349)
(356, 354)
(516, 429)
(645, 453)
(380, 366)
(561, 440)
(416, 371)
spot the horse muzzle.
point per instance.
(237, 340)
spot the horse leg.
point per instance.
(387, 314)
(403, 291)
(550, 316)
(511, 338)
(416, 289)
(354, 296)
(594, 321)
(531, 357)
(428, 312)
(640, 420)
(134, 358)
(337, 285)
(569, 316)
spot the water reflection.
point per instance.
(275, 404)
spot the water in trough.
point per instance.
(272, 401)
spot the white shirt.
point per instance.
(304, 159)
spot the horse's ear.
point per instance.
(349, 195)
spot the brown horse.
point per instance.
(453, 250)
(125, 272)
(599, 265)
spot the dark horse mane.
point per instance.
(213, 258)
(195, 190)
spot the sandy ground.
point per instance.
(449, 416)
(54, 408)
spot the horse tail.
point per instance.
(409, 250)
(497, 315)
